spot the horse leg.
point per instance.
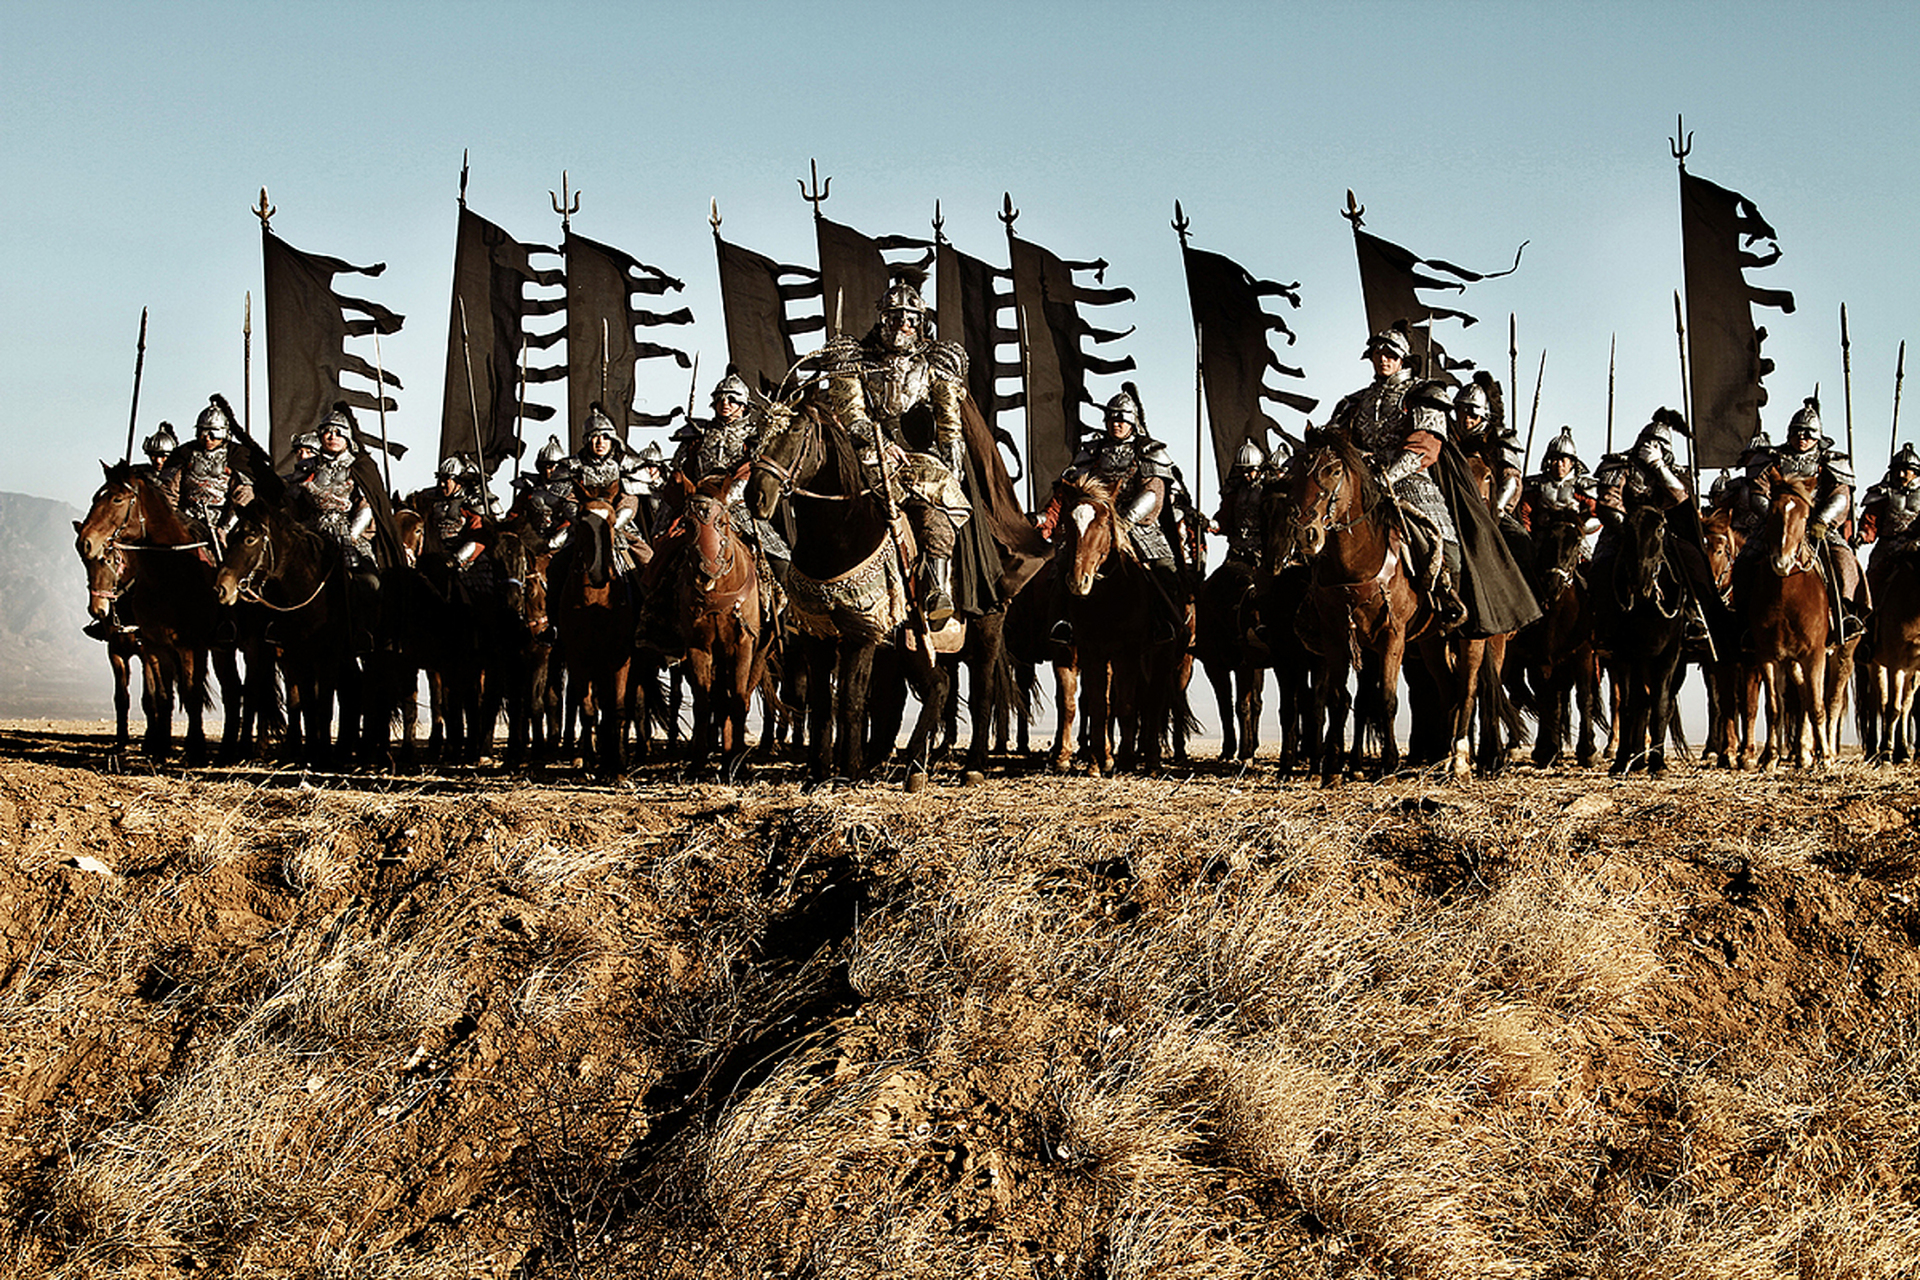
(122, 696)
(1251, 702)
(1220, 676)
(157, 702)
(699, 678)
(855, 683)
(1066, 680)
(934, 681)
(1468, 657)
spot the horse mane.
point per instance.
(1372, 494)
(842, 453)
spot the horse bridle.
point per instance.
(246, 590)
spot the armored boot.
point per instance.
(937, 591)
(1448, 608)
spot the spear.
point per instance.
(1513, 358)
(246, 367)
(693, 387)
(1899, 376)
(139, 363)
(520, 410)
(1534, 417)
(473, 400)
(603, 372)
(1199, 388)
(1610, 347)
(1846, 375)
(380, 398)
(1686, 405)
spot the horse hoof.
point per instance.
(973, 778)
(916, 782)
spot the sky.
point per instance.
(135, 138)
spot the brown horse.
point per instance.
(716, 597)
(594, 607)
(1787, 618)
(1894, 655)
(1127, 674)
(1723, 544)
(1556, 654)
(144, 574)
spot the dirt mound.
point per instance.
(1544, 1026)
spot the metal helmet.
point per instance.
(161, 442)
(1805, 420)
(308, 440)
(216, 419)
(1249, 457)
(451, 465)
(903, 295)
(1561, 446)
(338, 422)
(1393, 341)
(1473, 400)
(1905, 460)
(599, 424)
(551, 452)
(651, 456)
(731, 387)
(1718, 488)
(1664, 423)
(1125, 408)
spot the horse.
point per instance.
(594, 607)
(716, 600)
(1788, 625)
(1557, 659)
(847, 591)
(276, 560)
(1893, 642)
(1128, 674)
(143, 571)
(1641, 600)
(1228, 645)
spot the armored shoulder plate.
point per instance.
(840, 355)
(1154, 462)
(1842, 468)
(948, 360)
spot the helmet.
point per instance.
(1393, 341)
(1718, 488)
(307, 440)
(903, 295)
(161, 442)
(1473, 400)
(651, 456)
(451, 466)
(1125, 408)
(1805, 420)
(1664, 423)
(216, 419)
(338, 422)
(599, 424)
(1249, 457)
(731, 387)
(1562, 446)
(551, 452)
(1905, 460)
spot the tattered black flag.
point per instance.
(1235, 352)
(307, 331)
(971, 308)
(490, 272)
(854, 272)
(754, 293)
(1719, 230)
(601, 347)
(1390, 278)
(1048, 304)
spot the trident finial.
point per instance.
(463, 177)
(564, 205)
(939, 225)
(713, 214)
(265, 212)
(1352, 213)
(1181, 223)
(1007, 212)
(1681, 150)
(819, 194)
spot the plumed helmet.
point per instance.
(551, 452)
(451, 465)
(1249, 457)
(903, 294)
(1393, 341)
(160, 442)
(216, 419)
(1805, 420)
(599, 424)
(1664, 425)
(1905, 460)
(338, 422)
(1562, 446)
(731, 387)
(308, 440)
(1123, 407)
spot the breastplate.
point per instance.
(332, 485)
(599, 473)
(723, 447)
(447, 514)
(1375, 417)
(895, 384)
(204, 479)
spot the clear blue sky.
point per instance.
(134, 138)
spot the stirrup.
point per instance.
(1061, 632)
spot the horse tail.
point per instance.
(1502, 710)
(200, 695)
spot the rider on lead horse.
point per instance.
(158, 447)
(900, 386)
(202, 479)
(1807, 453)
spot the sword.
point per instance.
(139, 363)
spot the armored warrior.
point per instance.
(900, 389)
(1562, 485)
(1890, 515)
(451, 513)
(1481, 431)
(158, 447)
(201, 478)
(1808, 453)
(1747, 495)
(1402, 433)
(606, 470)
(1239, 517)
(1647, 475)
(345, 513)
(546, 493)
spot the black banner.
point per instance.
(490, 272)
(307, 332)
(1390, 280)
(601, 346)
(1047, 304)
(1235, 352)
(754, 292)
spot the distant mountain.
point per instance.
(47, 667)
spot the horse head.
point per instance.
(1332, 490)
(1784, 536)
(1642, 558)
(710, 521)
(1723, 545)
(249, 555)
(1557, 537)
(790, 453)
(1087, 508)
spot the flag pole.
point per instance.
(520, 410)
(1533, 419)
(1899, 376)
(1612, 342)
(139, 364)
(380, 399)
(1686, 400)
(1513, 364)
(473, 400)
(246, 367)
(1846, 375)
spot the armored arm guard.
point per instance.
(1144, 506)
(362, 522)
(846, 396)
(1403, 465)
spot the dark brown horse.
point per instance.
(1785, 608)
(1641, 600)
(1555, 655)
(594, 607)
(1893, 652)
(145, 574)
(716, 598)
